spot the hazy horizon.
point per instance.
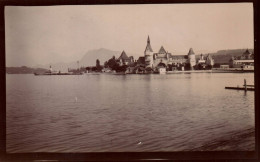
(50, 34)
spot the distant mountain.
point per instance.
(89, 59)
(24, 70)
(223, 56)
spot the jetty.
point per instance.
(245, 87)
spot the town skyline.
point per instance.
(40, 35)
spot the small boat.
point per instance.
(58, 73)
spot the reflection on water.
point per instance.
(124, 112)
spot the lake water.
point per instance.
(115, 113)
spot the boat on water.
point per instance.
(58, 73)
(52, 72)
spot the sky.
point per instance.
(51, 34)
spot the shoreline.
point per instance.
(168, 72)
(210, 71)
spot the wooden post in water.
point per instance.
(245, 85)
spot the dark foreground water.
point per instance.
(89, 113)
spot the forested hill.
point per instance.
(223, 56)
(24, 70)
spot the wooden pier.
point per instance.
(241, 88)
(245, 87)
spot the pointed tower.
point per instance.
(191, 58)
(246, 54)
(148, 53)
(123, 58)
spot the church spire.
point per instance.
(148, 46)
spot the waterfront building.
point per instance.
(161, 58)
(141, 61)
(245, 61)
(164, 59)
(205, 61)
(148, 52)
(124, 59)
(191, 58)
(209, 60)
(130, 70)
(224, 66)
(201, 60)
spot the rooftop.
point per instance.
(123, 56)
(162, 50)
(247, 52)
(191, 52)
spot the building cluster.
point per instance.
(155, 61)
(245, 61)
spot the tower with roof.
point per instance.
(246, 54)
(191, 58)
(209, 60)
(123, 59)
(148, 53)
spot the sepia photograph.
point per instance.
(130, 78)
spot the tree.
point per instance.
(199, 66)
(119, 68)
(111, 62)
(123, 68)
(105, 64)
(187, 66)
(88, 68)
(169, 67)
(97, 63)
(115, 67)
(98, 66)
(195, 67)
(149, 69)
(209, 67)
(94, 68)
(217, 65)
